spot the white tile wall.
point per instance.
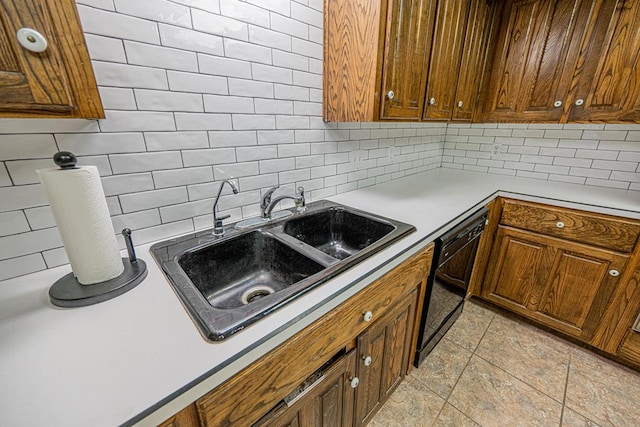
(197, 91)
(591, 154)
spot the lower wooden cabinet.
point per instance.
(630, 348)
(383, 352)
(378, 322)
(326, 402)
(381, 357)
(563, 284)
(574, 271)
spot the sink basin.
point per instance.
(227, 283)
(338, 232)
(244, 269)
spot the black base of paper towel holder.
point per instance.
(68, 292)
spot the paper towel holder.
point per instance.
(68, 292)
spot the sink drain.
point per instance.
(255, 293)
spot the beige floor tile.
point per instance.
(472, 324)
(491, 397)
(571, 418)
(603, 391)
(391, 415)
(451, 417)
(527, 353)
(417, 401)
(442, 368)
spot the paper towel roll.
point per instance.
(80, 210)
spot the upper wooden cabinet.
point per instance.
(444, 66)
(58, 82)
(471, 75)
(532, 66)
(607, 76)
(565, 60)
(407, 46)
(386, 59)
(375, 58)
(460, 41)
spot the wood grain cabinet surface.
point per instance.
(565, 61)
(460, 42)
(567, 269)
(606, 83)
(402, 59)
(256, 394)
(58, 82)
(328, 403)
(383, 356)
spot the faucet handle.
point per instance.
(266, 199)
(301, 202)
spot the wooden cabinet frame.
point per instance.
(56, 83)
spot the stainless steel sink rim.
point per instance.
(217, 324)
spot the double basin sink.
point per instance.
(229, 282)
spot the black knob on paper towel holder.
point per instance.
(68, 292)
(65, 159)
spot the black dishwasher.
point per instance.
(453, 258)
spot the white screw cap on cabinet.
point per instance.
(32, 40)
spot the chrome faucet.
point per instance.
(267, 205)
(218, 228)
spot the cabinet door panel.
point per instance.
(371, 344)
(328, 402)
(528, 73)
(387, 343)
(446, 52)
(394, 363)
(406, 54)
(517, 270)
(472, 64)
(578, 288)
(28, 80)
(609, 76)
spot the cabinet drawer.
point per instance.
(594, 229)
(246, 397)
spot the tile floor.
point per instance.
(491, 370)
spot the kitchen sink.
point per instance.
(338, 232)
(227, 283)
(246, 268)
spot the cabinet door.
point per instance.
(579, 287)
(328, 403)
(562, 284)
(444, 67)
(480, 28)
(532, 68)
(407, 47)
(383, 358)
(30, 80)
(57, 82)
(608, 75)
(518, 268)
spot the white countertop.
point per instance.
(106, 364)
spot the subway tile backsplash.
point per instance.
(590, 154)
(196, 91)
